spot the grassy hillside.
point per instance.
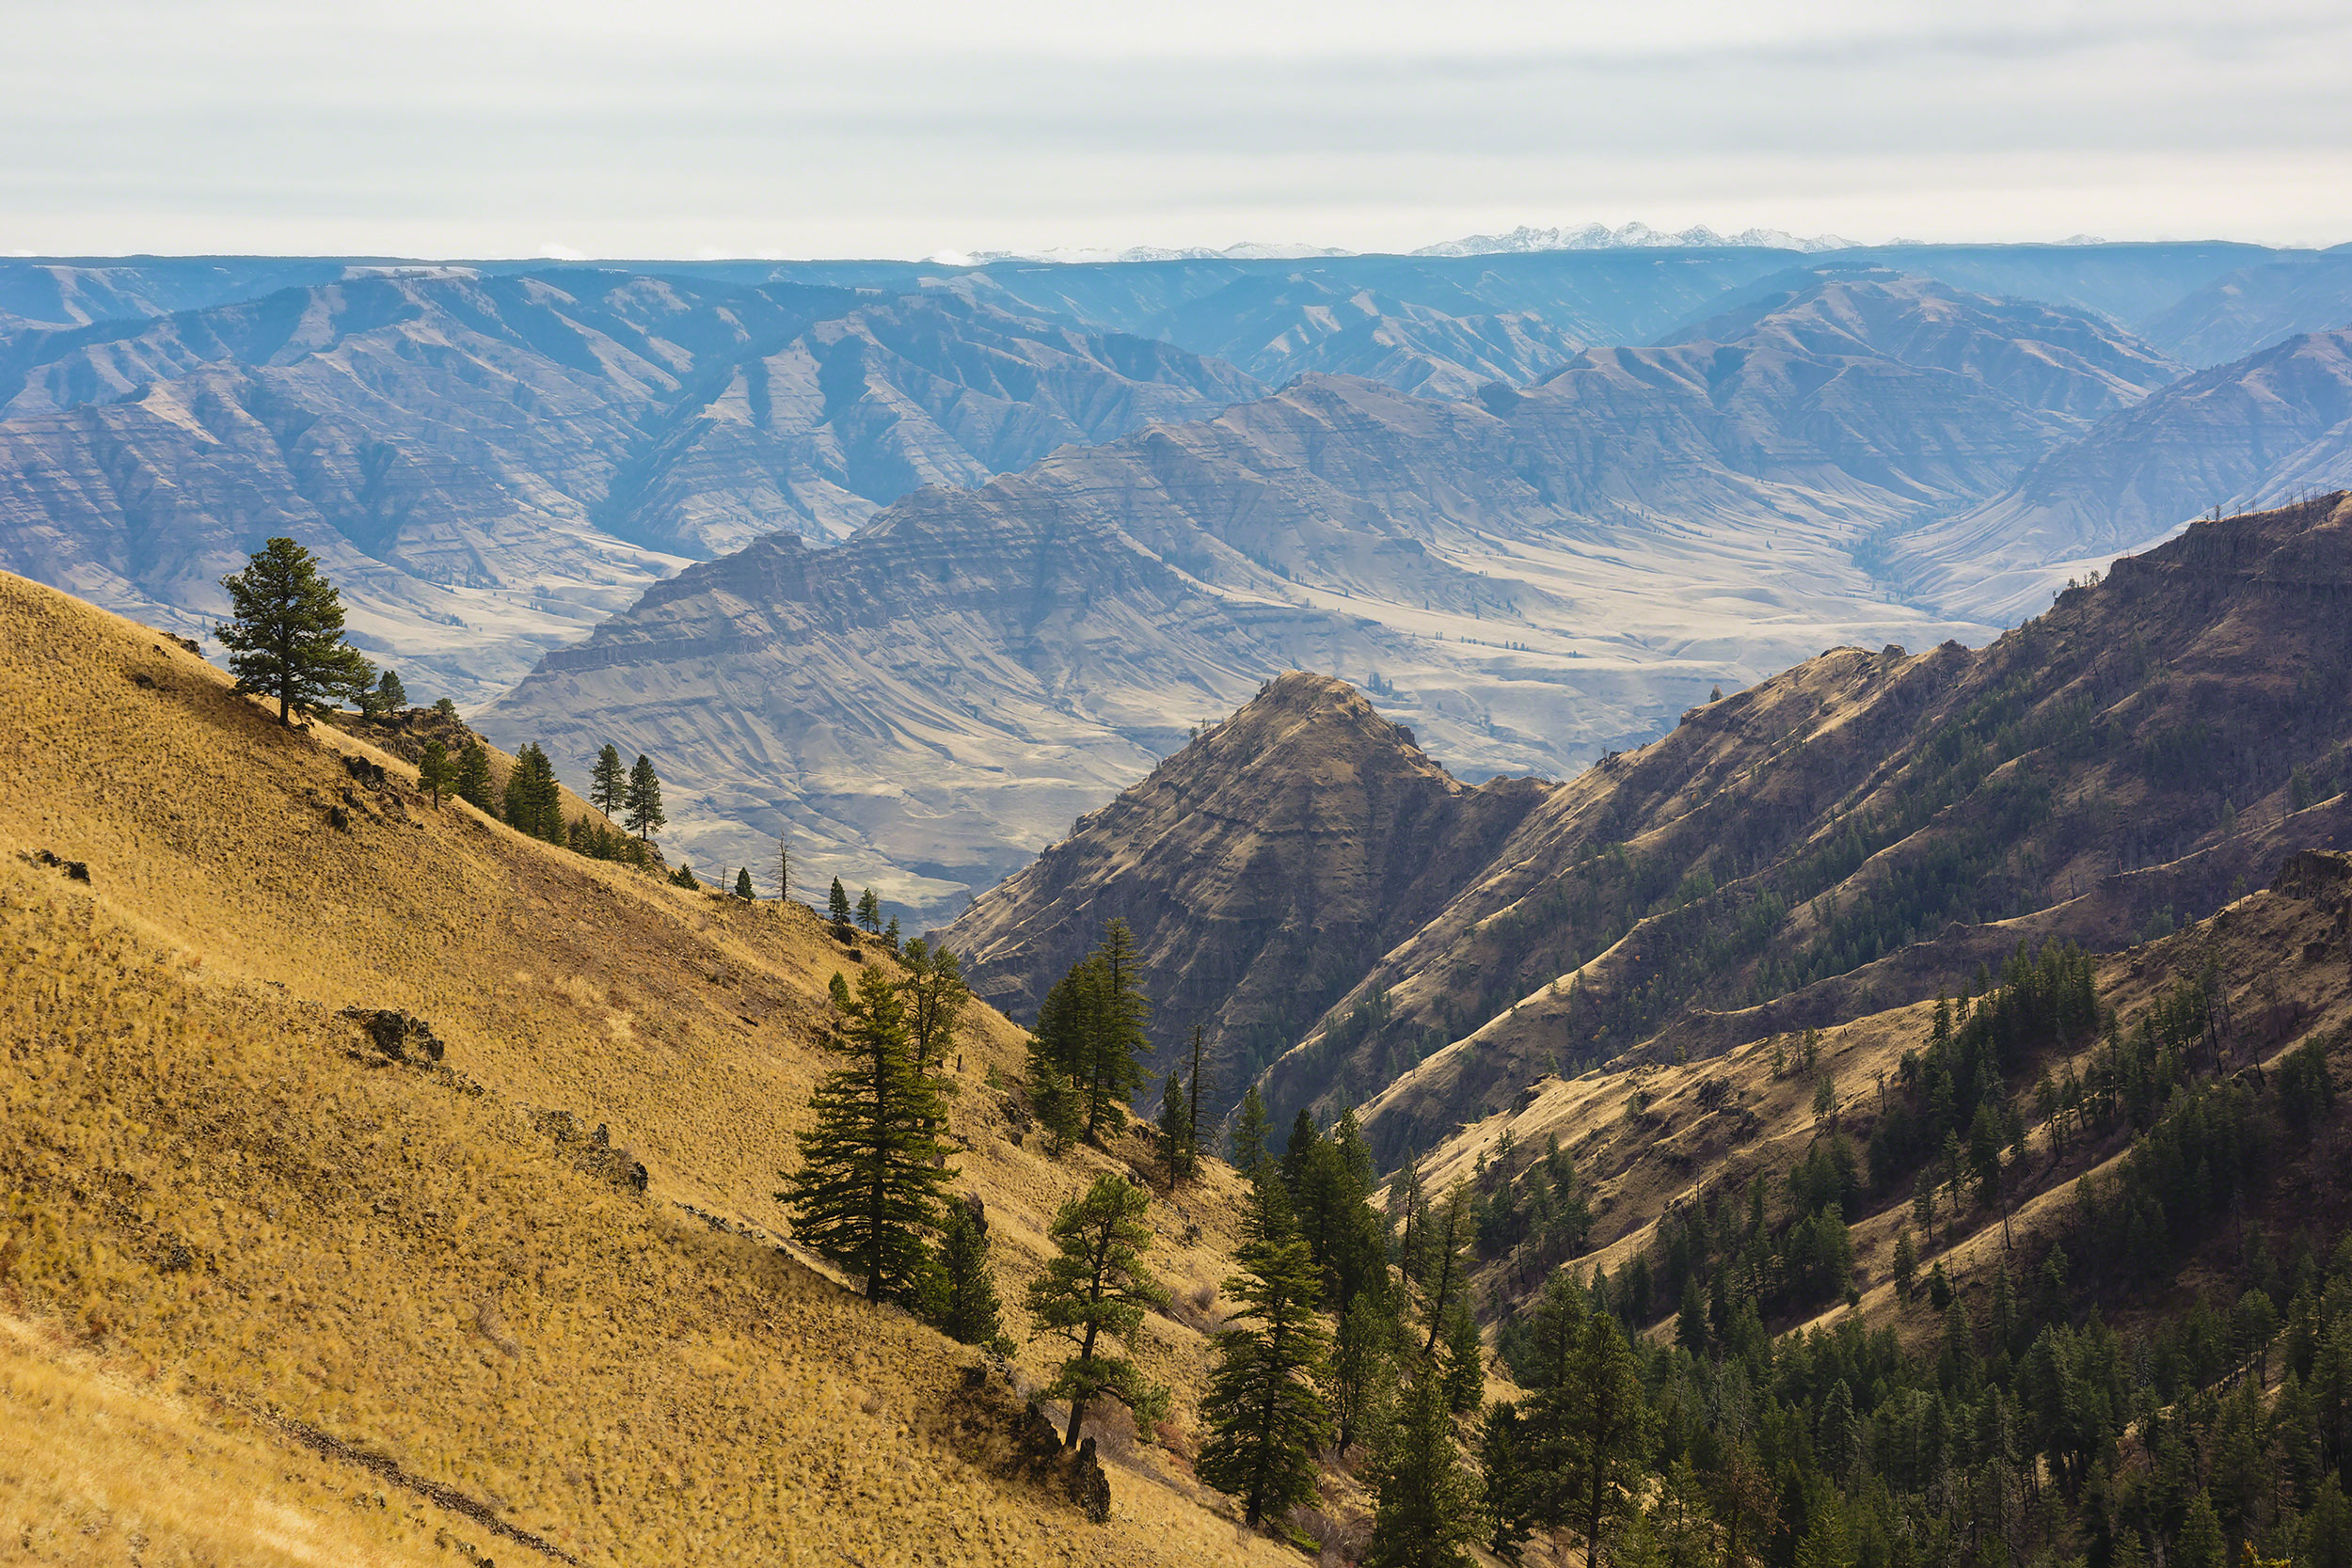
(289, 1300)
(1656, 1143)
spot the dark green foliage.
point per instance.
(1093, 1290)
(837, 910)
(608, 785)
(1266, 1422)
(1425, 1510)
(473, 776)
(869, 912)
(2306, 1091)
(285, 632)
(1464, 1368)
(445, 707)
(743, 883)
(1540, 1207)
(967, 1309)
(642, 809)
(872, 1167)
(1362, 1379)
(535, 803)
(436, 774)
(1089, 1031)
(684, 876)
(1250, 1132)
(1175, 1129)
(936, 996)
(388, 696)
(1506, 1493)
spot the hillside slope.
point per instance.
(1534, 576)
(1650, 1139)
(466, 1294)
(1841, 837)
(1288, 846)
(490, 464)
(2273, 427)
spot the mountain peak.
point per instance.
(1297, 839)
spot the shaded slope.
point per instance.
(2252, 307)
(2129, 756)
(1263, 868)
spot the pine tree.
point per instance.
(743, 883)
(1250, 1131)
(968, 1309)
(435, 774)
(1266, 1422)
(890, 934)
(473, 776)
(1093, 1289)
(1424, 1510)
(936, 996)
(1192, 1107)
(391, 696)
(1363, 1378)
(1446, 1269)
(1175, 1129)
(872, 1168)
(684, 876)
(1116, 1043)
(837, 910)
(1603, 1424)
(608, 785)
(535, 802)
(1465, 1365)
(285, 633)
(1052, 1095)
(2202, 1544)
(869, 912)
(643, 803)
(1506, 1495)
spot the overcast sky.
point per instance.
(690, 127)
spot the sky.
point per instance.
(696, 128)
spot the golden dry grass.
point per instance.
(213, 1188)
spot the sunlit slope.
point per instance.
(221, 1198)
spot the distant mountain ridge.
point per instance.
(1631, 236)
(1532, 576)
(489, 465)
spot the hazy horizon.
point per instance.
(707, 129)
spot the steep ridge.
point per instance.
(2135, 756)
(1840, 838)
(490, 464)
(1287, 847)
(1651, 1139)
(518, 1284)
(1529, 576)
(2269, 428)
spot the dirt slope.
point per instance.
(239, 1242)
